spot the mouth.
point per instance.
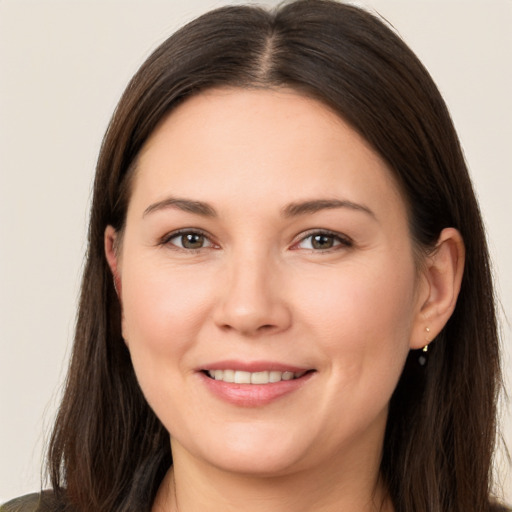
(261, 377)
(253, 383)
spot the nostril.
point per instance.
(257, 317)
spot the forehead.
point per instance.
(239, 117)
(252, 142)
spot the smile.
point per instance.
(256, 388)
(263, 377)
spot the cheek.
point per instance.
(163, 312)
(364, 317)
(163, 307)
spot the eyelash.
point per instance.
(339, 240)
(166, 240)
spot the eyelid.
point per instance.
(344, 240)
(166, 239)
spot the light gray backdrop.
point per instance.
(63, 65)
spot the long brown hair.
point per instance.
(108, 451)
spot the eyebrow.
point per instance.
(316, 205)
(291, 210)
(186, 205)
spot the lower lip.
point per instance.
(253, 395)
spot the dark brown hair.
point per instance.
(108, 451)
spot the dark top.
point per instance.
(37, 502)
(44, 502)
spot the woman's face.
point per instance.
(266, 241)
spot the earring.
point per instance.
(423, 357)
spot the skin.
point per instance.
(258, 289)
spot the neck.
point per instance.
(194, 486)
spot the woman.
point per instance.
(287, 301)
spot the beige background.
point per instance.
(63, 65)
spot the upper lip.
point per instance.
(253, 366)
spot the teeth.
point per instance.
(259, 378)
(275, 376)
(241, 377)
(227, 375)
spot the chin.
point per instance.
(262, 464)
(251, 450)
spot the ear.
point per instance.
(439, 288)
(111, 241)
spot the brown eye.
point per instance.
(322, 241)
(190, 240)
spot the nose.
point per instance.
(252, 301)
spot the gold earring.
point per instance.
(423, 357)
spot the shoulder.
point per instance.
(37, 502)
(495, 507)
(28, 503)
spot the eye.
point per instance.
(323, 241)
(188, 240)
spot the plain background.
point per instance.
(63, 66)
